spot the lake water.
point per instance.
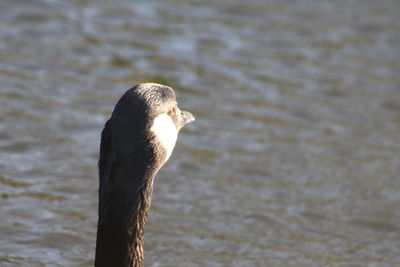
(294, 157)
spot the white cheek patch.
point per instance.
(164, 129)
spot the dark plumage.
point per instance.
(136, 141)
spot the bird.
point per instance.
(136, 141)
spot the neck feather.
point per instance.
(123, 212)
(122, 218)
(126, 186)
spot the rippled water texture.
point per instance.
(294, 158)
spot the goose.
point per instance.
(135, 143)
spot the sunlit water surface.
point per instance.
(294, 158)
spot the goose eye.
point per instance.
(172, 111)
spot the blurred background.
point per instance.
(294, 158)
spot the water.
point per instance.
(293, 159)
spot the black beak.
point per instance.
(184, 117)
(187, 117)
